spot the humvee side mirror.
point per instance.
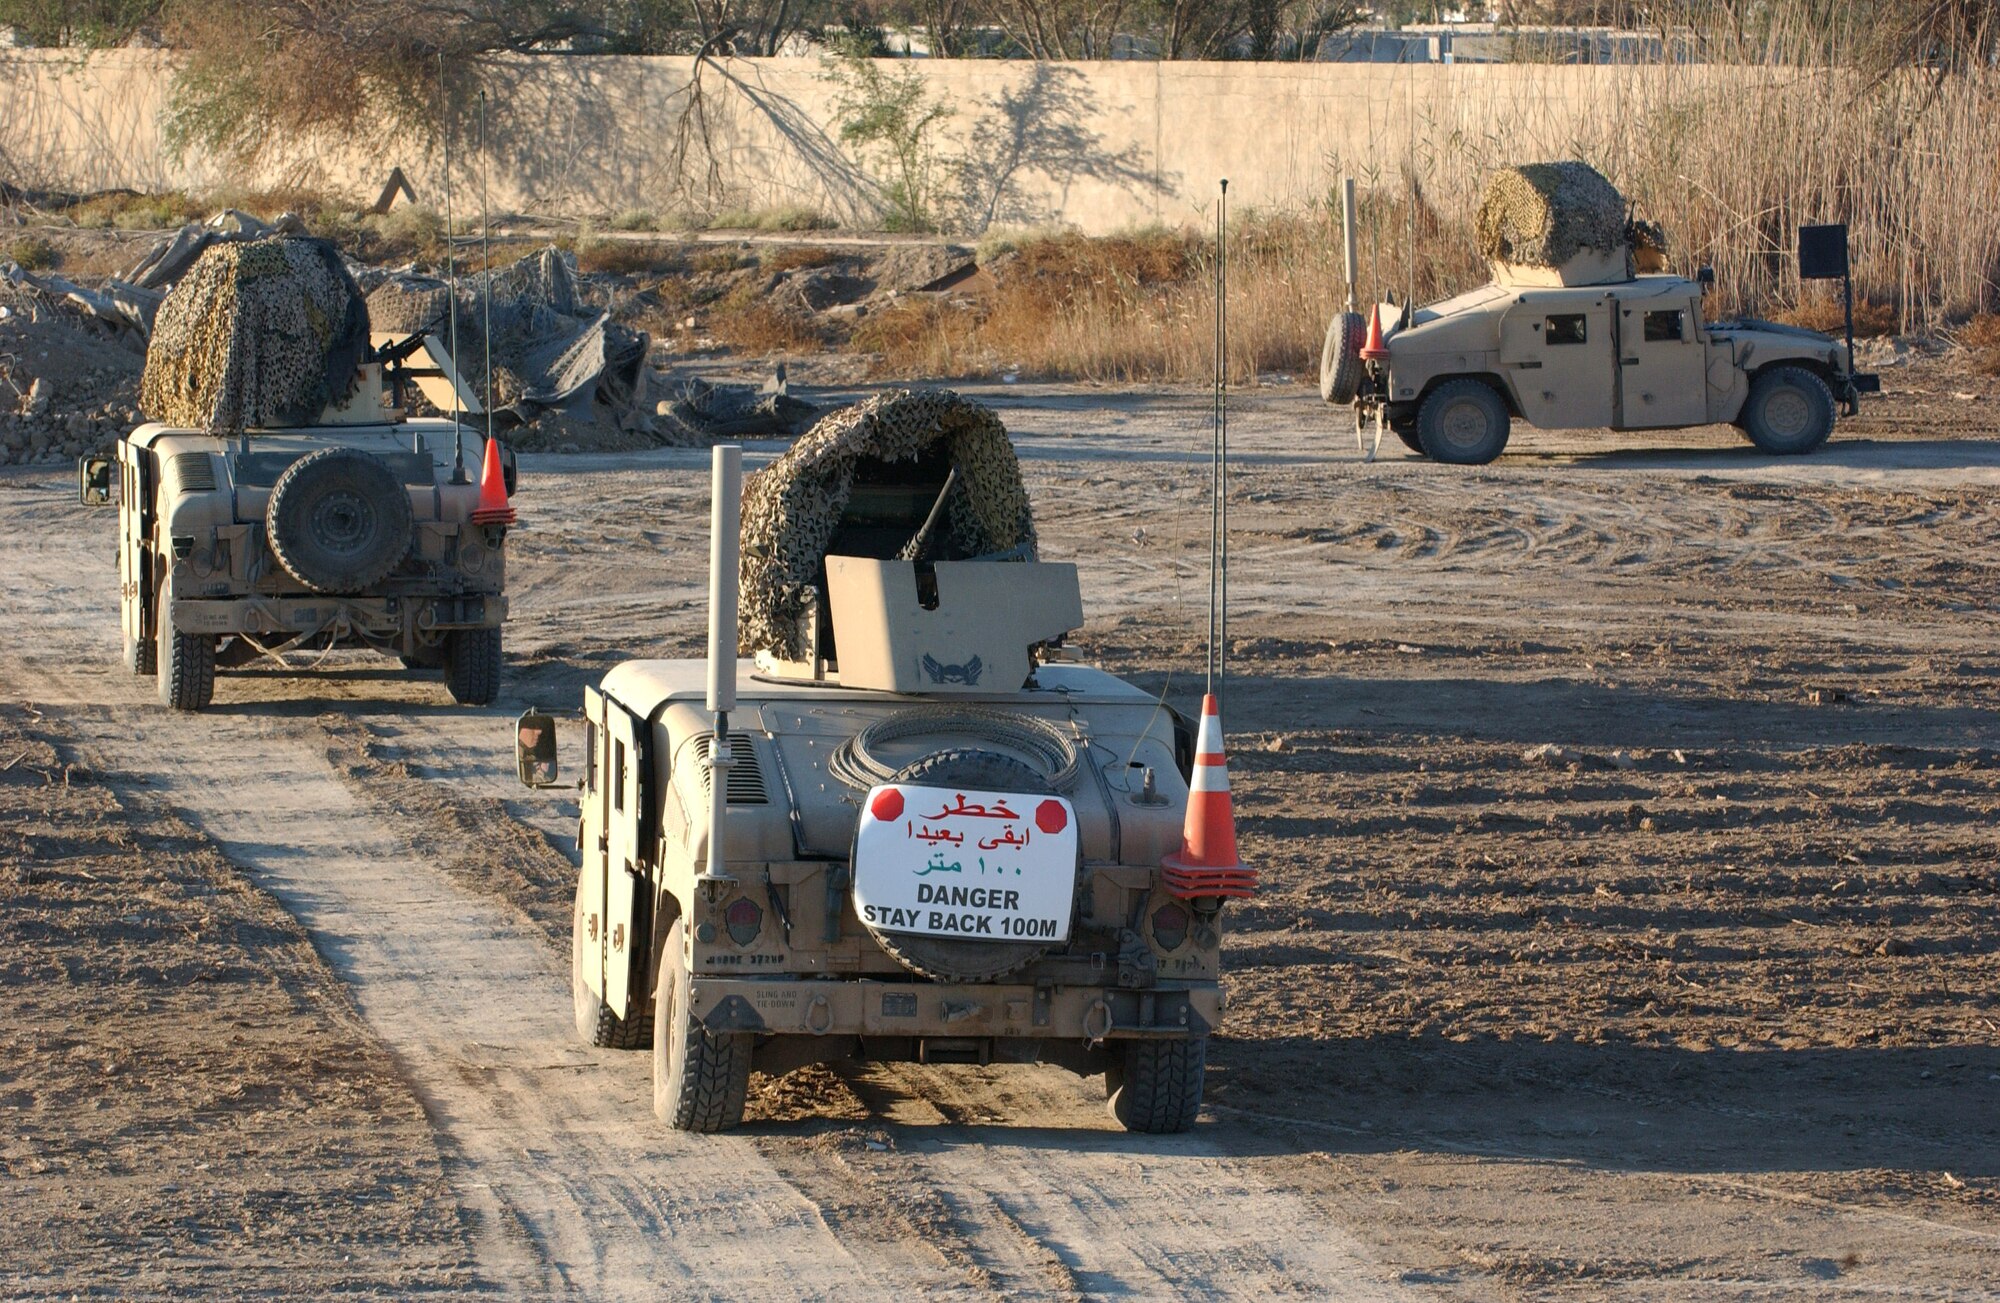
(1705, 278)
(535, 749)
(93, 480)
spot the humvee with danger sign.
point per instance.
(925, 834)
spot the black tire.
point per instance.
(1789, 411)
(184, 663)
(1408, 434)
(947, 959)
(1463, 423)
(141, 655)
(595, 1023)
(1340, 358)
(700, 1078)
(339, 520)
(472, 666)
(1155, 1086)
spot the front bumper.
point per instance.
(382, 617)
(869, 1007)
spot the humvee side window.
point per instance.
(1565, 328)
(618, 776)
(589, 756)
(1665, 327)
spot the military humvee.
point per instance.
(1586, 348)
(936, 839)
(356, 531)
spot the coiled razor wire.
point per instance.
(1047, 747)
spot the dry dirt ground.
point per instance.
(1701, 1006)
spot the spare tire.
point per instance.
(1340, 359)
(339, 520)
(947, 959)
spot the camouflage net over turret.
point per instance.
(262, 333)
(1544, 214)
(792, 507)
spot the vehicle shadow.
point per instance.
(1626, 1108)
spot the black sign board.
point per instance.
(1823, 252)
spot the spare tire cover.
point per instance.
(949, 959)
(339, 520)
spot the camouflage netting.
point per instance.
(792, 507)
(1544, 214)
(261, 333)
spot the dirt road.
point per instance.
(1705, 1007)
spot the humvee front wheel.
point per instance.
(472, 665)
(1462, 422)
(1789, 411)
(183, 663)
(1407, 432)
(1155, 1086)
(595, 1023)
(700, 1077)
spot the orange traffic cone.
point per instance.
(493, 508)
(1206, 864)
(1374, 350)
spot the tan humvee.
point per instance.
(352, 532)
(941, 843)
(1587, 347)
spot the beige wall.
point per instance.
(1096, 145)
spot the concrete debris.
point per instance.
(1551, 753)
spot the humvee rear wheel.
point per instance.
(1462, 422)
(595, 1023)
(140, 654)
(1789, 411)
(472, 665)
(1340, 358)
(184, 663)
(700, 1077)
(1155, 1086)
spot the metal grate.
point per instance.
(746, 776)
(195, 471)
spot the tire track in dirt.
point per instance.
(573, 1192)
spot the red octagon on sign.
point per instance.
(1050, 817)
(887, 805)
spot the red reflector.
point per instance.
(743, 920)
(887, 805)
(1050, 817)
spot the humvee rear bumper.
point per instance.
(382, 616)
(868, 1007)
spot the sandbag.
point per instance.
(792, 507)
(1544, 214)
(257, 334)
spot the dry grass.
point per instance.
(1823, 312)
(627, 257)
(33, 253)
(794, 257)
(1982, 337)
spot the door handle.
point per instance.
(1628, 361)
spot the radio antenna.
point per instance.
(486, 265)
(451, 279)
(1218, 471)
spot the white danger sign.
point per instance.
(988, 866)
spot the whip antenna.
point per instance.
(486, 264)
(1218, 470)
(451, 279)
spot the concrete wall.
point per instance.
(1099, 146)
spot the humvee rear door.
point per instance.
(135, 523)
(1661, 364)
(1556, 351)
(593, 844)
(624, 779)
